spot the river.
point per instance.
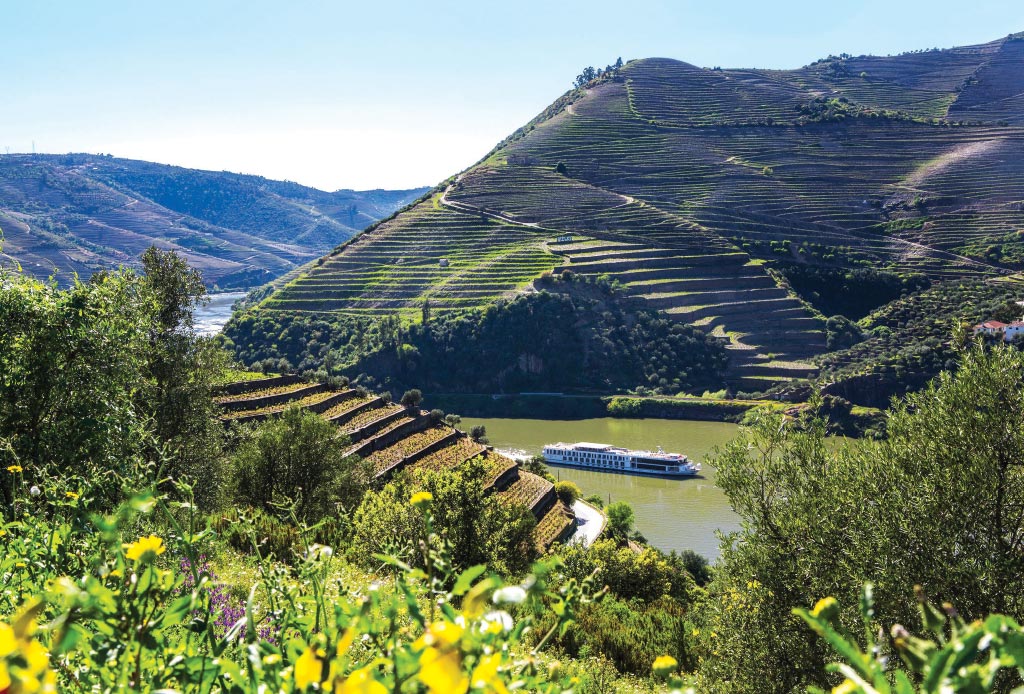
(671, 513)
(212, 317)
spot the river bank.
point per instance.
(845, 421)
(560, 406)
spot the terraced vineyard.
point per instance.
(408, 439)
(399, 265)
(686, 184)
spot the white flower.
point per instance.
(513, 594)
(34, 490)
(498, 617)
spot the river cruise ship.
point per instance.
(600, 456)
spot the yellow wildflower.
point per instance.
(826, 608)
(422, 500)
(485, 675)
(71, 495)
(146, 548)
(24, 662)
(441, 661)
(664, 665)
(14, 468)
(360, 682)
(7, 641)
(36, 656)
(308, 669)
(440, 633)
(847, 687)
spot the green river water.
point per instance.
(672, 513)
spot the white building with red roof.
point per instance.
(992, 328)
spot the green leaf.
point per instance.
(850, 652)
(388, 560)
(177, 610)
(250, 622)
(143, 503)
(466, 578)
(939, 668)
(902, 683)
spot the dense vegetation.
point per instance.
(850, 293)
(535, 342)
(146, 549)
(110, 446)
(908, 342)
(937, 504)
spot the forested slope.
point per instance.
(84, 213)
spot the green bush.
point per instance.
(926, 506)
(299, 457)
(568, 492)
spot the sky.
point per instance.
(388, 94)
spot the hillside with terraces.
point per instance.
(80, 213)
(395, 438)
(694, 189)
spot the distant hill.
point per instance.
(745, 203)
(82, 213)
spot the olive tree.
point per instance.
(299, 458)
(939, 504)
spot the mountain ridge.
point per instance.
(694, 188)
(82, 213)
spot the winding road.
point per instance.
(589, 523)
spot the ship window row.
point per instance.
(594, 459)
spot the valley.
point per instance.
(261, 437)
(79, 213)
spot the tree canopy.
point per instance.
(938, 503)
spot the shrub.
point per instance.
(411, 398)
(150, 598)
(299, 458)
(568, 492)
(697, 566)
(620, 519)
(938, 486)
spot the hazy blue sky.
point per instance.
(388, 94)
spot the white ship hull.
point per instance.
(603, 458)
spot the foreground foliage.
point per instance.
(116, 614)
(937, 504)
(955, 657)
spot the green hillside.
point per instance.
(697, 190)
(83, 213)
